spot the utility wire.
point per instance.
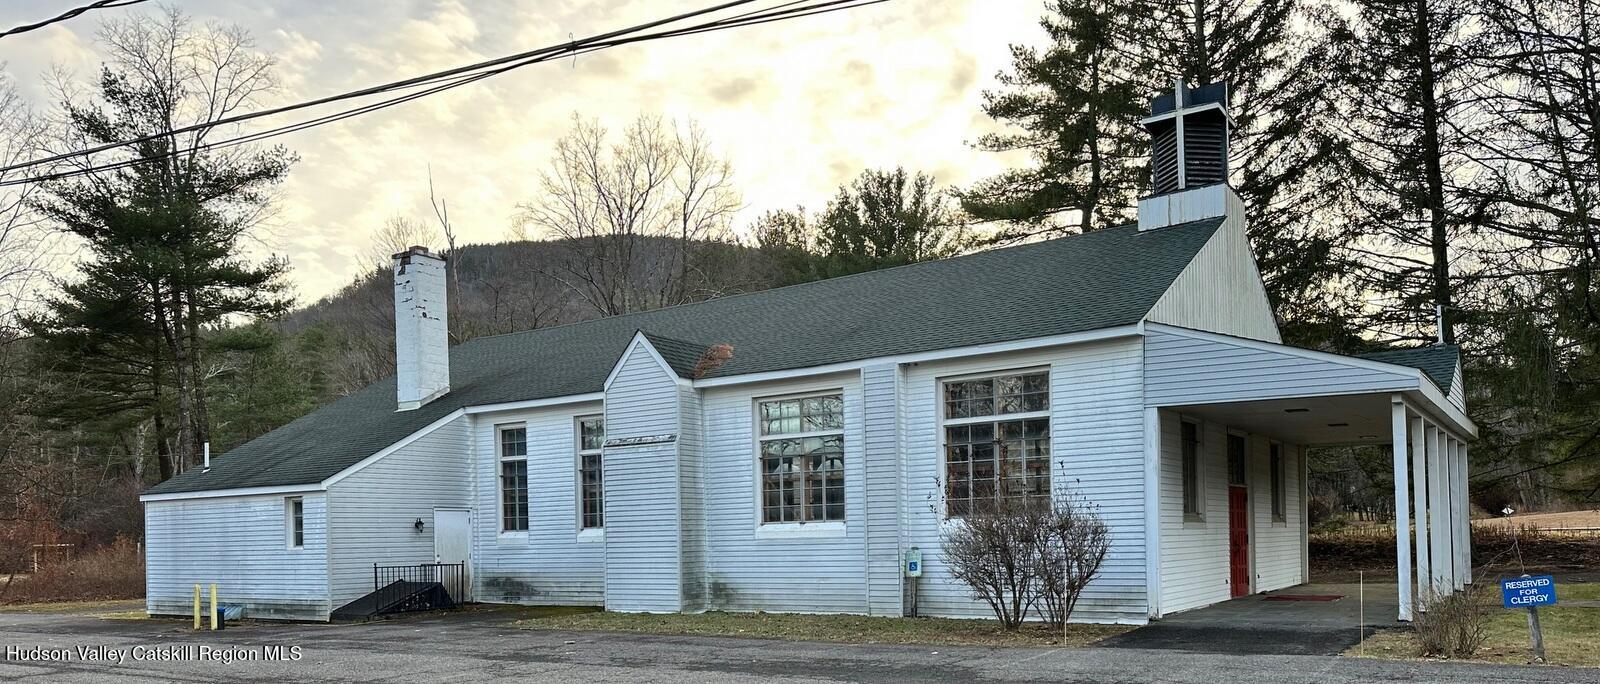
(453, 78)
(101, 4)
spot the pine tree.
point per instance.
(1073, 107)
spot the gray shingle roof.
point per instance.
(1437, 361)
(1086, 282)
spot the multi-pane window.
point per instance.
(513, 479)
(997, 440)
(1190, 441)
(591, 483)
(802, 458)
(1236, 461)
(297, 522)
(1275, 464)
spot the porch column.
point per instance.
(1466, 518)
(1439, 534)
(1419, 486)
(1402, 506)
(1458, 468)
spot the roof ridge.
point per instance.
(834, 279)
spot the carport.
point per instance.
(1412, 400)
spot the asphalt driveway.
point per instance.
(1276, 623)
(484, 645)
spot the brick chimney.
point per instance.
(421, 338)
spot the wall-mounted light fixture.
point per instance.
(418, 524)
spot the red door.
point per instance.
(1238, 542)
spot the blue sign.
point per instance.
(1528, 592)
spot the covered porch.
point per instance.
(1217, 406)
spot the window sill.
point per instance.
(1191, 520)
(592, 535)
(800, 530)
(1280, 523)
(517, 538)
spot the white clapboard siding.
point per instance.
(643, 560)
(1194, 553)
(373, 511)
(1458, 390)
(1183, 369)
(692, 504)
(551, 563)
(1221, 289)
(241, 544)
(1275, 545)
(748, 567)
(880, 427)
(1097, 442)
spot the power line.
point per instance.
(450, 78)
(101, 4)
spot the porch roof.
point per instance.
(1297, 395)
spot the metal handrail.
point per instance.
(391, 584)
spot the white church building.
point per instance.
(782, 450)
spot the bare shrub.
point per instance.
(994, 552)
(1021, 553)
(1452, 625)
(1069, 550)
(113, 571)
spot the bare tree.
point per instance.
(398, 233)
(614, 207)
(24, 246)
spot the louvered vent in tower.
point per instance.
(1188, 137)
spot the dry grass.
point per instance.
(114, 571)
(1337, 556)
(855, 629)
(1542, 520)
(1571, 632)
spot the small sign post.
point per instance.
(1530, 592)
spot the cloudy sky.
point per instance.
(799, 107)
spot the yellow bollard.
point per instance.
(197, 606)
(213, 606)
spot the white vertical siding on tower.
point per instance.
(1097, 443)
(1221, 290)
(550, 564)
(881, 459)
(372, 512)
(1180, 369)
(1194, 552)
(779, 568)
(644, 515)
(241, 544)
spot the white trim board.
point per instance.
(1437, 402)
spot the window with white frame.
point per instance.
(513, 478)
(1275, 464)
(591, 482)
(1189, 440)
(801, 452)
(294, 509)
(997, 440)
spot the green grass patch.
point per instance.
(856, 629)
(1571, 632)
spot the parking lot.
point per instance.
(478, 645)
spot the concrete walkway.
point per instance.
(1255, 625)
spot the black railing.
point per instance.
(425, 586)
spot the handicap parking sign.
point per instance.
(1528, 591)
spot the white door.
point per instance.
(452, 536)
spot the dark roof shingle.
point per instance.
(1099, 280)
(1437, 361)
